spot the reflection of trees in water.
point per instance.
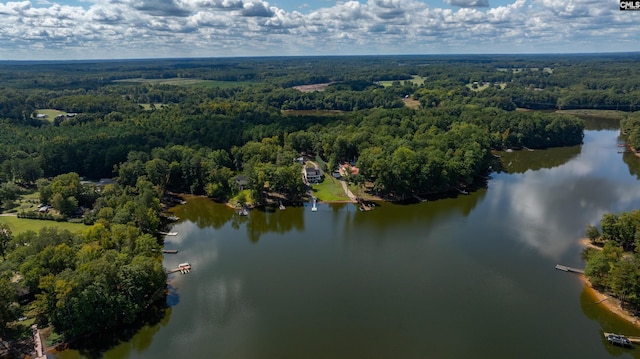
(263, 220)
(522, 161)
(205, 213)
(592, 123)
(633, 162)
(136, 338)
(387, 215)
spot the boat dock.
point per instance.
(183, 268)
(170, 251)
(569, 269)
(635, 340)
(168, 233)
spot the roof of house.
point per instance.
(241, 180)
(313, 171)
(353, 169)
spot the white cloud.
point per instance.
(175, 28)
(468, 3)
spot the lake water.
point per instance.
(466, 277)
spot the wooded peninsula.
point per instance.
(109, 145)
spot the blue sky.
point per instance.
(106, 29)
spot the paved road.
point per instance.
(347, 191)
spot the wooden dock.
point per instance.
(170, 251)
(183, 268)
(569, 269)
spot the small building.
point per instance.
(241, 181)
(350, 169)
(299, 160)
(312, 175)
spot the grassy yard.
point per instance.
(247, 198)
(329, 190)
(51, 113)
(21, 225)
(411, 103)
(417, 80)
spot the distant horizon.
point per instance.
(34, 30)
(461, 55)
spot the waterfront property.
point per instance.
(312, 175)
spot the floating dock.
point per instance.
(569, 269)
(170, 251)
(169, 233)
(635, 340)
(183, 268)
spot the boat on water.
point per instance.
(618, 339)
(314, 208)
(281, 206)
(244, 212)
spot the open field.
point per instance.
(481, 87)
(312, 88)
(329, 190)
(26, 202)
(147, 106)
(51, 113)
(417, 80)
(411, 103)
(187, 82)
(612, 114)
(21, 225)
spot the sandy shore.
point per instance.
(612, 304)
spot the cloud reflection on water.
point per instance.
(551, 207)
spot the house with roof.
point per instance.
(241, 181)
(349, 170)
(312, 175)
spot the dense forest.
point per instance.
(413, 125)
(615, 268)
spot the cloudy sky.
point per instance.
(102, 29)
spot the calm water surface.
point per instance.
(467, 277)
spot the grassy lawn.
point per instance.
(21, 225)
(411, 103)
(247, 196)
(51, 113)
(417, 80)
(329, 190)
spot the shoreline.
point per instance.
(612, 304)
